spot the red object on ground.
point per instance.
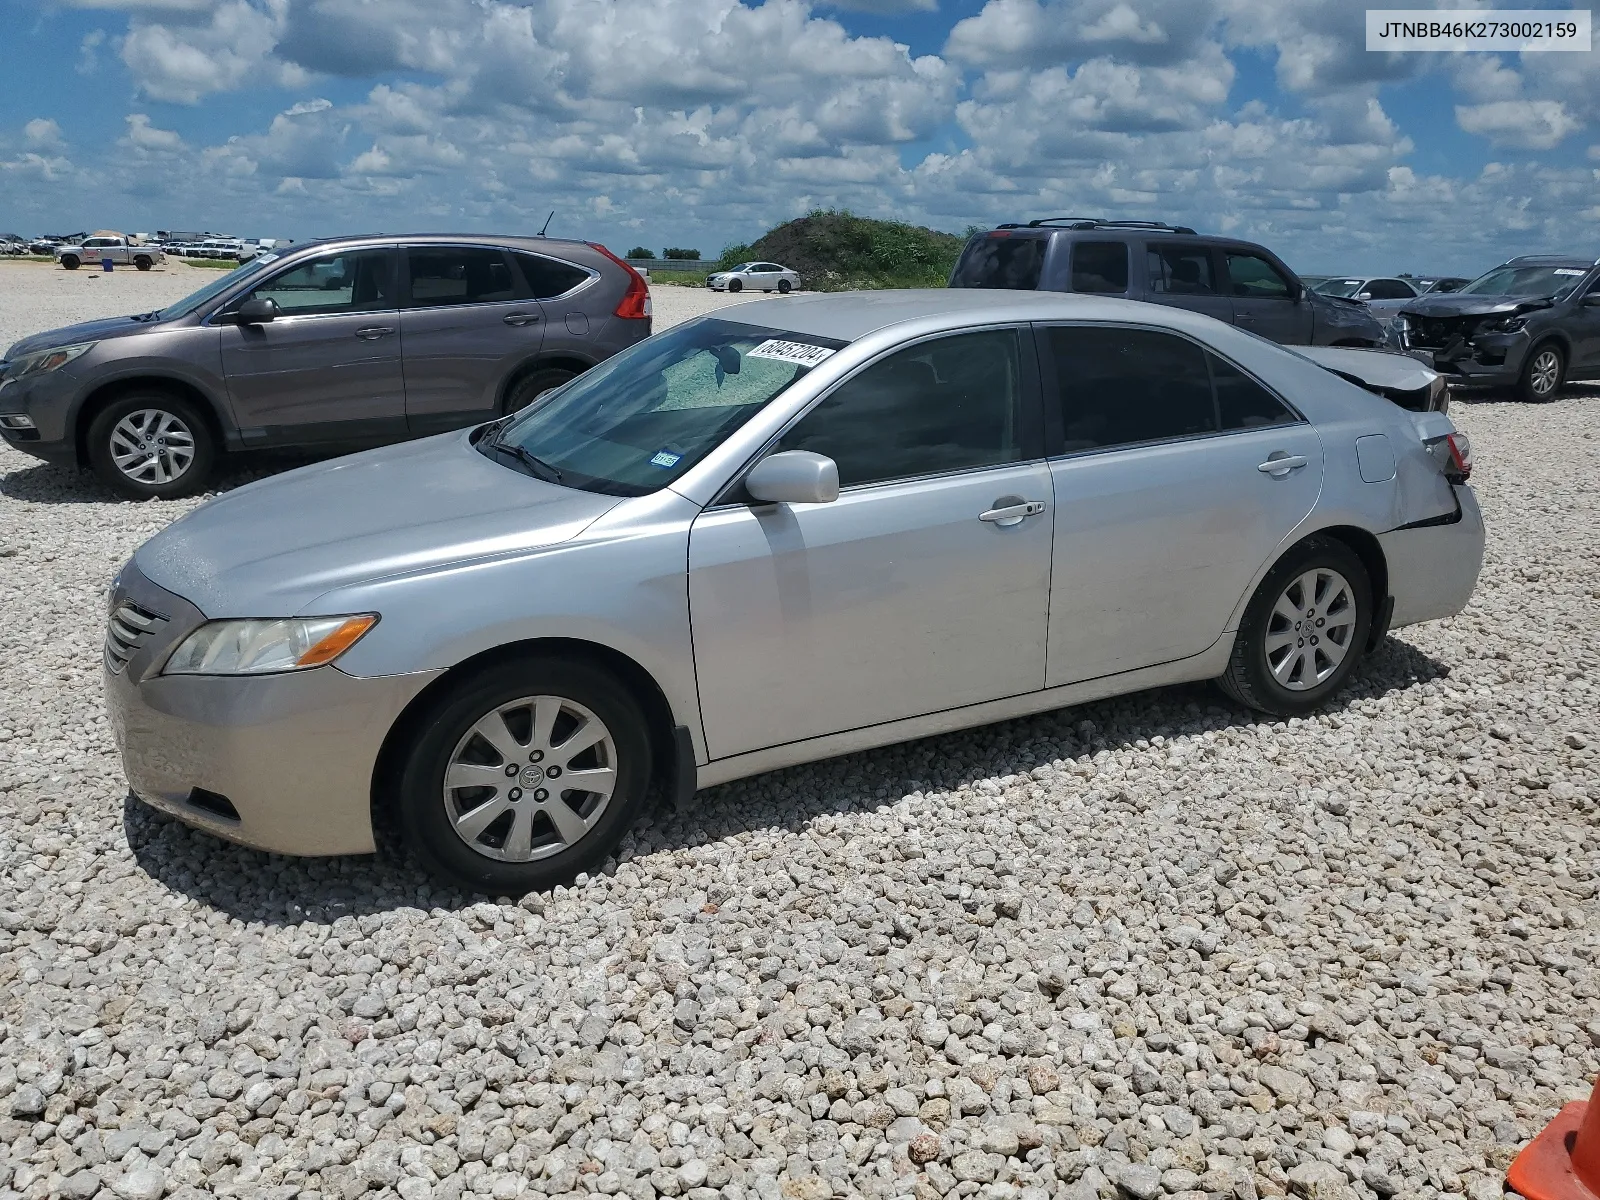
(1563, 1162)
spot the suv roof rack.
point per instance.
(1099, 223)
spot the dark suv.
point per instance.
(1234, 281)
(340, 343)
(1532, 323)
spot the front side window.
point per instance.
(1181, 271)
(643, 417)
(1253, 277)
(347, 281)
(1100, 267)
(548, 277)
(950, 404)
(446, 275)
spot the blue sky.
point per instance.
(703, 122)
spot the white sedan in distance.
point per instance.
(755, 276)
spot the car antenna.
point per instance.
(547, 221)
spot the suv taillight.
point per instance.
(635, 304)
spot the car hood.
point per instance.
(272, 547)
(87, 331)
(1453, 304)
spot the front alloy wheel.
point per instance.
(151, 446)
(1542, 377)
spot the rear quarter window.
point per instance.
(1100, 267)
(1001, 262)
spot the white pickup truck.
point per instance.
(118, 249)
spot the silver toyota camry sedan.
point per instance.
(790, 530)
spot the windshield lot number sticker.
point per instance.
(1568, 271)
(792, 352)
(665, 458)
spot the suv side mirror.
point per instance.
(794, 477)
(1592, 300)
(257, 311)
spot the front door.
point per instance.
(1585, 323)
(1164, 512)
(924, 587)
(464, 329)
(328, 368)
(1265, 301)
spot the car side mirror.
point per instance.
(794, 477)
(1592, 300)
(257, 311)
(1363, 295)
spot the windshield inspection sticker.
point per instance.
(665, 458)
(793, 352)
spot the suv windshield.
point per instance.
(639, 420)
(194, 300)
(1000, 261)
(1525, 281)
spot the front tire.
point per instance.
(71, 262)
(487, 797)
(1303, 631)
(735, 285)
(535, 384)
(783, 286)
(143, 262)
(1542, 374)
(152, 446)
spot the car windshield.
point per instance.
(639, 420)
(1339, 287)
(1525, 281)
(195, 300)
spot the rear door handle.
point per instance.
(373, 332)
(520, 318)
(1012, 514)
(1280, 464)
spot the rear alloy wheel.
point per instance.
(783, 286)
(1543, 374)
(1303, 631)
(736, 285)
(152, 446)
(524, 776)
(535, 384)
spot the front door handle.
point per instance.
(1012, 514)
(373, 332)
(520, 318)
(1279, 464)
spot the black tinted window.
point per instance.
(1243, 403)
(548, 277)
(1121, 386)
(1253, 276)
(1181, 271)
(1389, 289)
(458, 275)
(945, 405)
(349, 281)
(1099, 267)
(1000, 262)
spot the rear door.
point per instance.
(1185, 275)
(1265, 299)
(1585, 323)
(568, 299)
(328, 369)
(465, 326)
(1166, 502)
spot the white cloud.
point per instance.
(42, 132)
(142, 135)
(885, 8)
(89, 52)
(1028, 32)
(1524, 124)
(184, 62)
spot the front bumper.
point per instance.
(291, 755)
(1486, 360)
(47, 399)
(1433, 565)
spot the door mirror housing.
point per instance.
(1592, 300)
(794, 477)
(256, 311)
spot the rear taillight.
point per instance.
(635, 304)
(1454, 452)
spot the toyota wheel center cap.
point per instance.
(532, 776)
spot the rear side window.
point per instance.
(1181, 270)
(1099, 267)
(1389, 289)
(1001, 263)
(444, 275)
(1124, 386)
(548, 277)
(1242, 403)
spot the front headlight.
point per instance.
(1503, 325)
(45, 360)
(265, 647)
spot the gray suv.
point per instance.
(335, 344)
(1238, 282)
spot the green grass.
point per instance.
(838, 251)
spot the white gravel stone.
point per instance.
(1226, 935)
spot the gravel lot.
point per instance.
(1154, 946)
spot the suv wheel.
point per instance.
(152, 446)
(525, 775)
(1543, 374)
(70, 261)
(1303, 631)
(535, 384)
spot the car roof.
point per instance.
(1548, 260)
(528, 241)
(848, 316)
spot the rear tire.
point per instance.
(535, 384)
(735, 285)
(1543, 374)
(152, 445)
(1303, 631)
(521, 847)
(71, 262)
